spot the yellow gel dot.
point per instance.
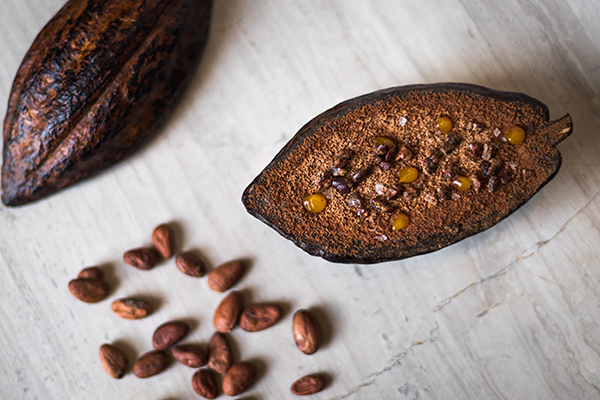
(443, 124)
(462, 183)
(408, 175)
(315, 203)
(515, 135)
(379, 140)
(400, 221)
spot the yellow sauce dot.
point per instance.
(408, 175)
(515, 135)
(443, 124)
(400, 221)
(379, 140)
(315, 203)
(462, 183)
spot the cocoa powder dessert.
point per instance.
(98, 81)
(407, 171)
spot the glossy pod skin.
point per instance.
(461, 180)
(97, 82)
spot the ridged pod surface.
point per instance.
(97, 82)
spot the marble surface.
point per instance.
(513, 313)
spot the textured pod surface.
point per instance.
(451, 191)
(97, 82)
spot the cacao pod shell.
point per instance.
(97, 82)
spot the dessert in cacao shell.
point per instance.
(407, 171)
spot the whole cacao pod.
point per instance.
(97, 82)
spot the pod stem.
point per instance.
(558, 130)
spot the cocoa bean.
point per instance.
(130, 308)
(239, 378)
(168, 334)
(205, 384)
(163, 239)
(257, 317)
(189, 355)
(307, 334)
(150, 364)
(91, 273)
(225, 275)
(88, 290)
(190, 264)
(228, 312)
(309, 384)
(113, 360)
(142, 258)
(219, 353)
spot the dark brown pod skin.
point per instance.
(408, 115)
(98, 81)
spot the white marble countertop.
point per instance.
(513, 313)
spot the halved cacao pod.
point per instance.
(407, 171)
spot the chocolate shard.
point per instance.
(97, 82)
(419, 225)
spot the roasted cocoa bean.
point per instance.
(142, 258)
(228, 312)
(91, 273)
(219, 353)
(189, 355)
(307, 334)
(163, 238)
(225, 275)
(151, 363)
(257, 317)
(239, 378)
(168, 334)
(309, 384)
(88, 290)
(113, 360)
(190, 264)
(130, 308)
(205, 384)
(340, 184)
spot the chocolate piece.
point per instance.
(98, 81)
(337, 234)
